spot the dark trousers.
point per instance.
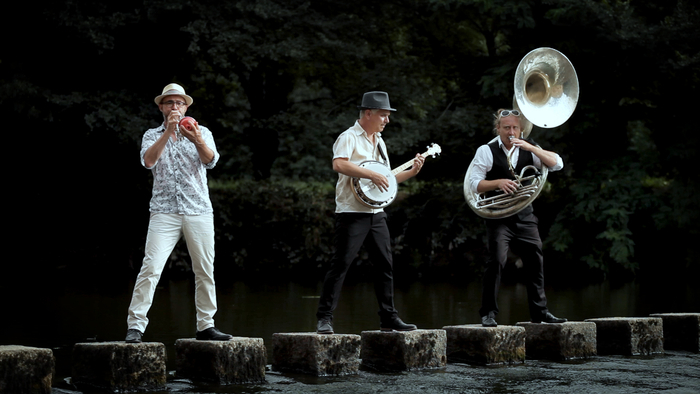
(352, 230)
(522, 237)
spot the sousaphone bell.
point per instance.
(546, 94)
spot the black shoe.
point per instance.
(324, 326)
(212, 334)
(489, 320)
(395, 324)
(550, 318)
(133, 336)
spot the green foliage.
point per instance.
(276, 82)
(288, 227)
(267, 225)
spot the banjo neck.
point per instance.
(407, 164)
(373, 197)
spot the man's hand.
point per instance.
(418, 164)
(172, 121)
(379, 180)
(194, 135)
(522, 144)
(507, 185)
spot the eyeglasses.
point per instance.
(509, 112)
(179, 103)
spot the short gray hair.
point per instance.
(362, 111)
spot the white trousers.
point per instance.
(164, 231)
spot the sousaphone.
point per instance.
(546, 94)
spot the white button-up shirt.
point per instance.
(483, 162)
(354, 145)
(179, 176)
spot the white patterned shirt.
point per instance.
(354, 145)
(179, 176)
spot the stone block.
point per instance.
(239, 360)
(476, 344)
(629, 336)
(681, 331)
(561, 341)
(26, 369)
(316, 354)
(404, 351)
(119, 366)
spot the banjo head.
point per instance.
(368, 193)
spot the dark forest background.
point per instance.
(277, 81)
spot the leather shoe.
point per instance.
(396, 324)
(133, 336)
(489, 320)
(212, 334)
(324, 326)
(550, 318)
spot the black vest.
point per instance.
(501, 170)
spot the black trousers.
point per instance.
(522, 237)
(352, 230)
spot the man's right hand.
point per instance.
(507, 186)
(379, 180)
(172, 121)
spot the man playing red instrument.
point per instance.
(180, 206)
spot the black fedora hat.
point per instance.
(376, 100)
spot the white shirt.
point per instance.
(483, 162)
(179, 176)
(354, 144)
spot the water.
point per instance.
(61, 314)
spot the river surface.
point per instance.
(61, 315)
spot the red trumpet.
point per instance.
(188, 123)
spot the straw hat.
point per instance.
(174, 90)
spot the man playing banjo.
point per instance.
(357, 223)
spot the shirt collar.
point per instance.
(358, 130)
(500, 142)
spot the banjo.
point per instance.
(369, 195)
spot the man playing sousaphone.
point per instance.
(519, 232)
(357, 224)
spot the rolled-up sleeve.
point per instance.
(209, 140)
(344, 146)
(149, 138)
(556, 167)
(481, 164)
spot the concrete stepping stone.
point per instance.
(475, 344)
(316, 354)
(681, 331)
(27, 369)
(119, 366)
(404, 350)
(629, 336)
(560, 341)
(236, 361)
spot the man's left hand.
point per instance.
(522, 144)
(418, 163)
(194, 135)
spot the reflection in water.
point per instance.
(63, 316)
